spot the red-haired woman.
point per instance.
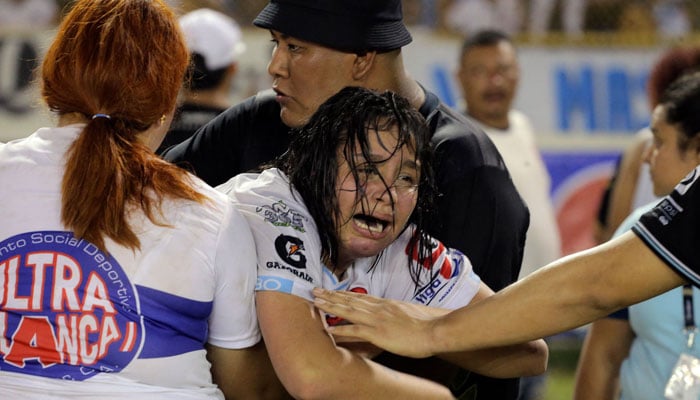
(120, 274)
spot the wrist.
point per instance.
(438, 336)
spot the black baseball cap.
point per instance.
(352, 25)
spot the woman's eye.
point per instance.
(406, 181)
(368, 170)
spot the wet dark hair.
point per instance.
(682, 103)
(340, 126)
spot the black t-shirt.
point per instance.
(479, 210)
(670, 229)
(238, 140)
(188, 118)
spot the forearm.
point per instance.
(312, 366)
(596, 379)
(525, 359)
(346, 375)
(606, 345)
(566, 294)
(514, 361)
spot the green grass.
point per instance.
(563, 356)
(560, 385)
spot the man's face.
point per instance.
(489, 78)
(305, 75)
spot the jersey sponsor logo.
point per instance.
(279, 214)
(67, 310)
(290, 249)
(300, 274)
(442, 282)
(666, 210)
(274, 284)
(332, 320)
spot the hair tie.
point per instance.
(101, 116)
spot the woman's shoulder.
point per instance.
(257, 187)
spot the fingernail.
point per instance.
(317, 291)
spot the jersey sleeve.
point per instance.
(672, 228)
(233, 322)
(288, 248)
(445, 280)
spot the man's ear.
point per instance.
(363, 64)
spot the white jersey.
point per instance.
(519, 151)
(76, 322)
(289, 252)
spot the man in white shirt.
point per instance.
(489, 74)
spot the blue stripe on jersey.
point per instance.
(173, 324)
(274, 283)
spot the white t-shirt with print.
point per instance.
(289, 252)
(78, 323)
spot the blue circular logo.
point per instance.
(67, 310)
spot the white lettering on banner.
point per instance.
(67, 340)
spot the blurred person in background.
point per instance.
(121, 275)
(672, 18)
(215, 43)
(631, 354)
(573, 14)
(489, 74)
(28, 14)
(631, 186)
(469, 16)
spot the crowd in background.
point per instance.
(525, 20)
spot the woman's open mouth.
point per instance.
(370, 223)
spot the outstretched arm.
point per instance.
(523, 359)
(565, 294)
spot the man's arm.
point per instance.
(565, 294)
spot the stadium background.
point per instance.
(585, 93)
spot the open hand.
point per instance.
(398, 327)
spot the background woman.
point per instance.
(632, 356)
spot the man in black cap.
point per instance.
(323, 46)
